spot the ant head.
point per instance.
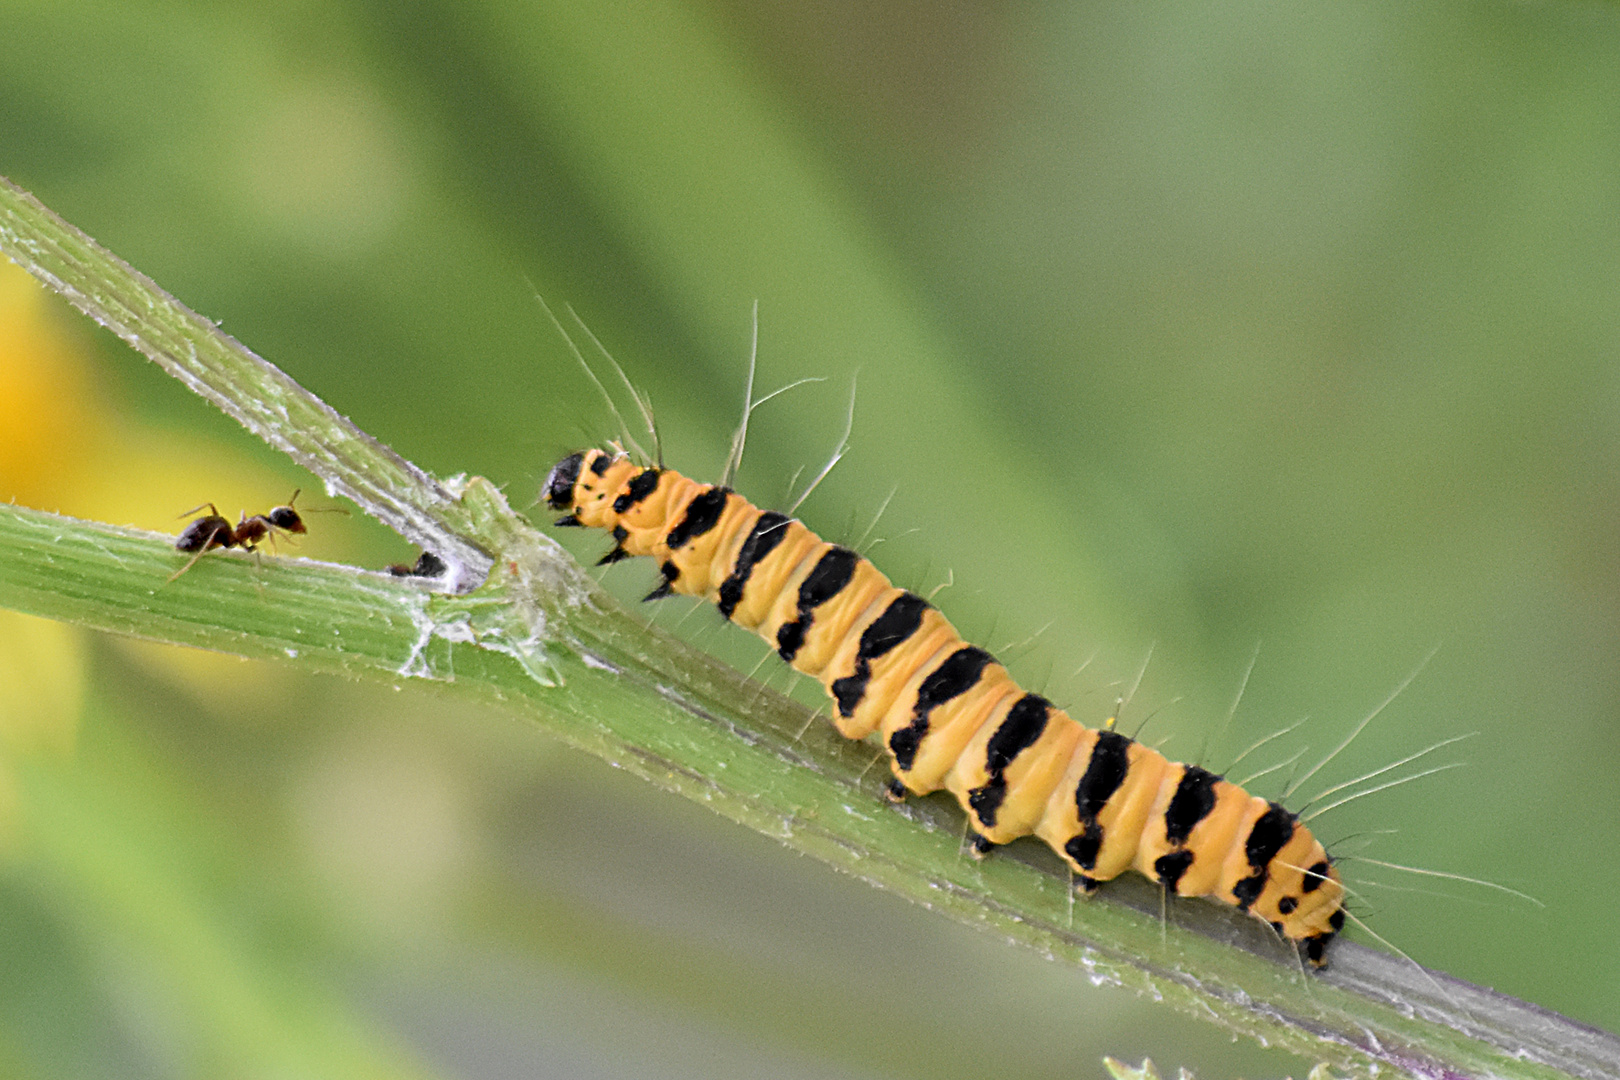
(286, 518)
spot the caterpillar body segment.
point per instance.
(948, 714)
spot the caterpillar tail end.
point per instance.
(1316, 950)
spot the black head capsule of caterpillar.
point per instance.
(589, 482)
(559, 487)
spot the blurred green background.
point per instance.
(1176, 326)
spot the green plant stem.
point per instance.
(678, 718)
(541, 639)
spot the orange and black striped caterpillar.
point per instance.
(949, 715)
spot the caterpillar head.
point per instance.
(558, 490)
(585, 482)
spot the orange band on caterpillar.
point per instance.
(948, 714)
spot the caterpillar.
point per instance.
(949, 715)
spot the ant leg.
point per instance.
(200, 553)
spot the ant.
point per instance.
(213, 531)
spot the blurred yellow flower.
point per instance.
(64, 448)
(45, 447)
(47, 422)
